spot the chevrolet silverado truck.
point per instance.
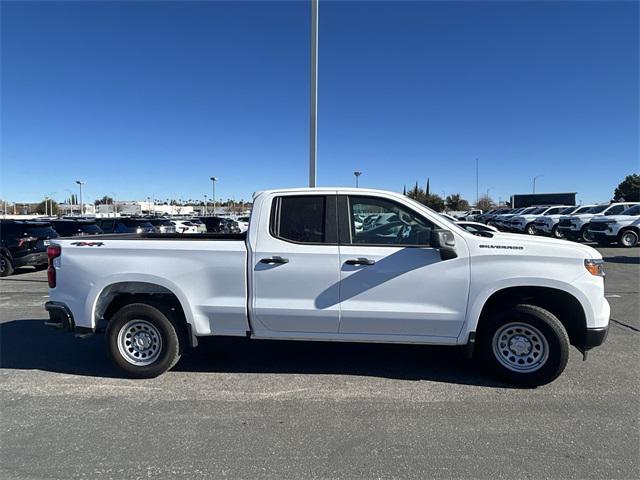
(526, 222)
(304, 272)
(576, 226)
(623, 229)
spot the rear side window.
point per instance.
(44, 231)
(300, 219)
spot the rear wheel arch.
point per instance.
(562, 304)
(118, 295)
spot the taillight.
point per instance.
(53, 251)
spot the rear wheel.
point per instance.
(628, 238)
(525, 344)
(6, 267)
(585, 236)
(143, 339)
(530, 229)
(556, 232)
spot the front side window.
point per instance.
(299, 219)
(615, 210)
(377, 221)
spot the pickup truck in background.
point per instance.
(576, 226)
(303, 271)
(623, 229)
(526, 222)
(548, 224)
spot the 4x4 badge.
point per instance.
(88, 244)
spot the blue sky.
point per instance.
(152, 98)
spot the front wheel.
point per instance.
(628, 239)
(556, 232)
(525, 344)
(585, 235)
(143, 340)
(530, 229)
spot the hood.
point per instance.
(567, 248)
(615, 218)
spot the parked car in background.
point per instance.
(162, 225)
(188, 226)
(501, 222)
(525, 222)
(67, 227)
(243, 223)
(470, 215)
(125, 225)
(623, 229)
(477, 228)
(576, 226)
(487, 218)
(548, 224)
(23, 243)
(220, 225)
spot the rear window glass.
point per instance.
(41, 232)
(300, 219)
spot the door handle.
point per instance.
(360, 261)
(274, 260)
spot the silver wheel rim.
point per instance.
(628, 239)
(520, 347)
(3, 264)
(139, 342)
(557, 233)
(531, 230)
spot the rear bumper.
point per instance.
(595, 337)
(30, 260)
(60, 317)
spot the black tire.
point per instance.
(585, 236)
(556, 232)
(169, 345)
(628, 239)
(530, 229)
(528, 321)
(6, 267)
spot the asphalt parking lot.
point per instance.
(241, 409)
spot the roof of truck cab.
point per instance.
(325, 190)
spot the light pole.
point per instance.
(205, 204)
(488, 190)
(313, 94)
(80, 183)
(357, 175)
(213, 199)
(534, 182)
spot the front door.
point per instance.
(391, 281)
(296, 271)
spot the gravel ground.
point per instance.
(248, 409)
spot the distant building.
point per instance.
(530, 199)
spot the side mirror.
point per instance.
(445, 241)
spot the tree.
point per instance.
(629, 189)
(456, 202)
(50, 208)
(485, 203)
(432, 201)
(104, 201)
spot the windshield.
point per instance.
(597, 209)
(567, 211)
(635, 210)
(535, 211)
(582, 210)
(528, 210)
(448, 222)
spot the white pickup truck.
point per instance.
(303, 272)
(623, 228)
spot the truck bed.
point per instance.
(161, 236)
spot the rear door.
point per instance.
(296, 271)
(392, 282)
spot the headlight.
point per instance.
(595, 266)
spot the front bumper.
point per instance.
(60, 317)
(603, 236)
(543, 228)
